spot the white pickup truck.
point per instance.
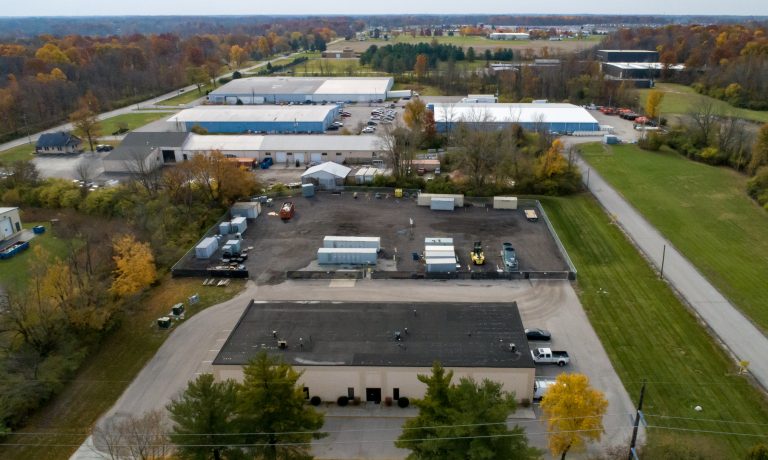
(547, 356)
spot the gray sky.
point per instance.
(249, 7)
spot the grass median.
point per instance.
(649, 334)
(703, 210)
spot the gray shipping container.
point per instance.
(352, 256)
(235, 245)
(206, 248)
(434, 241)
(352, 242)
(441, 265)
(442, 204)
(247, 209)
(225, 228)
(239, 225)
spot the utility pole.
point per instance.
(639, 413)
(26, 128)
(663, 256)
(588, 170)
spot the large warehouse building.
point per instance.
(274, 90)
(561, 118)
(628, 55)
(378, 349)
(288, 149)
(257, 118)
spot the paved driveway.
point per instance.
(551, 304)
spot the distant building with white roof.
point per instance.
(257, 118)
(274, 90)
(562, 118)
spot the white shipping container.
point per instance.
(225, 228)
(440, 255)
(505, 202)
(235, 245)
(239, 225)
(360, 175)
(442, 204)
(425, 199)
(442, 265)
(352, 256)
(352, 242)
(206, 248)
(248, 210)
(436, 241)
(437, 247)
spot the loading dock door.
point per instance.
(373, 395)
(281, 157)
(316, 157)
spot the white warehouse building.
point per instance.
(274, 90)
(378, 349)
(560, 118)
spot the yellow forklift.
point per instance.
(477, 255)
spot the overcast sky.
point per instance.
(249, 7)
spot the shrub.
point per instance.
(403, 402)
(315, 400)
(342, 401)
(652, 141)
(757, 187)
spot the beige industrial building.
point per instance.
(376, 350)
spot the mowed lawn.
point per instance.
(186, 97)
(104, 376)
(649, 334)
(681, 99)
(13, 271)
(23, 152)
(131, 120)
(704, 211)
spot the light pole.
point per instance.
(663, 256)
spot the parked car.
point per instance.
(332, 128)
(372, 123)
(538, 334)
(368, 130)
(104, 148)
(509, 255)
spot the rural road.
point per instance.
(730, 326)
(551, 304)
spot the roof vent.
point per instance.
(513, 348)
(282, 344)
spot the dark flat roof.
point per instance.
(364, 334)
(139, 145)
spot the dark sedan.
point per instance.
(537, 334)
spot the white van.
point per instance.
(540, 386)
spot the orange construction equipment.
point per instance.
(287, 210)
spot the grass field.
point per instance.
(648, 334)
(13, 271)
(132, 121)
(106, 373)
(704, 211)
(186, 97)
(23, 152)
(681, 99)
(479, 43)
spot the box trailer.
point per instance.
(206, 248)
(350, 256)
(437, 241)
(442, 204)
(239, 225)
(352, 242)
(425, 199)
(441, 265)
(505, 202)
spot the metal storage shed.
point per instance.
(206, 248)
(441, 265)
(352, 256)
(352, 242)
(505, 202)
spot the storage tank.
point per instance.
(442, 204)
(352, 242)
(206, 248)
(505, 202)
(239, 225)
(351, 256)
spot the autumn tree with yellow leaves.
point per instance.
(653, 103)
(135, 266)
(573, 411)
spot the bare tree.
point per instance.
(85, 170)
(143, 170)
(130, 436)
(704, 117)
(399, 144)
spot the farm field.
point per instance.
(681, 99)
(650, 335)
(106, 373)
(704, 211)
(480, 43)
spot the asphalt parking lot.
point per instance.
(361, 113)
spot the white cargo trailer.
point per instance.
(505, 202)
(437, 241)
(350, 256)
(206, 248)
(442, 204)
(352, 242)
(425, 199)
(441, 265)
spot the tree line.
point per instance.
(119, 241)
